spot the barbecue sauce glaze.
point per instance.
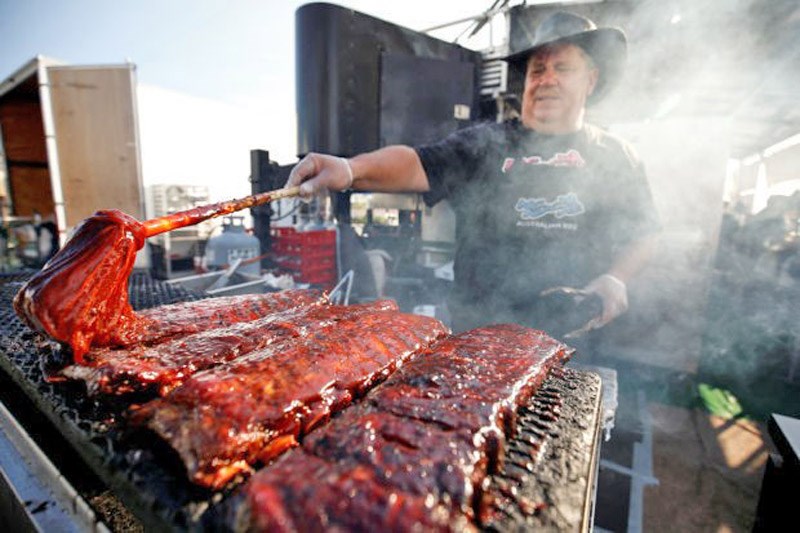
(81, 294)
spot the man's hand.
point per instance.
(614, 294)
(317, 173)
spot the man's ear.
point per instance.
(594, 75)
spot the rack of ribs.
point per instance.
(252, 409)
(164, 366)
(159, 323)
(80, 297)
(416, 452)
(82, 291)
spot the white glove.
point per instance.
(614, 294)
(317, 173)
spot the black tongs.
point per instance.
(580, 298)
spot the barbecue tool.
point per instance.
(196, 215)
(579, 310)
(80, 297)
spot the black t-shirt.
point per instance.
(532, 212)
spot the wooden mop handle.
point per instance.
(196, 215)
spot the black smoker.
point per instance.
(363, 83)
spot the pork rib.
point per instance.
(252, 409)
(166, 365)
(82, 292)
(431, 433)
(359, 500)
(80, 297)
(167, 321)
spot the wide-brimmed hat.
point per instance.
(607, 47)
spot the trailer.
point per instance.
(70, 143)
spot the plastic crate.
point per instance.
(290, 241)
(323, 277)
(323, 237)
(309, 256)
(283, 239)
(302, 268)
(311, 242)
(296, 248)
(313, 255)
(280, 231)
(280, 247)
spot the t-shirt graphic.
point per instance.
(565, 205)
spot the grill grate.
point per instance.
(548, 457)
(548, 475)
(148, 479)
(145, 292)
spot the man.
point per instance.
(545, 202)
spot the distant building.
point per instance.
(163, 199)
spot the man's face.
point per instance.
(557, 82)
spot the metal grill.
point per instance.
(549, 473)
(548, 466)
(145, 292)
(147, 478)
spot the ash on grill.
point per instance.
(546, 481)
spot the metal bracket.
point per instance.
(340, 294)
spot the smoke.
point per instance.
(708, 82)
(705, 83)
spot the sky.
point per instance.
(215, 78)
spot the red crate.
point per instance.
(290, 241)
(323, 277)
(287, 262)
(310, 256)
(312, 241)
(321, 237)
(316, 255)
(310, 268)
(280, 247)
(300, 249)
(284, 238)
(279, 231)
(306, 261)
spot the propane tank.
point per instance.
(232, 244)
